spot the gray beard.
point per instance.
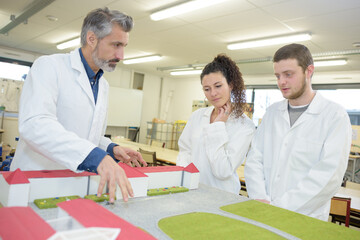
(102, 63)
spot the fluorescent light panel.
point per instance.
(270, 41)
(183, 8)
(336, 62)
(69, 44)
(142, 59)
(190, 72)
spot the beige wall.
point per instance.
(10, 131)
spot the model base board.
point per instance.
(163, 191)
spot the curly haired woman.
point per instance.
(216, 139)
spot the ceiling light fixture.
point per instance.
(356, 44)
(335, 62)
(51, 18)
(270, 41)
(142, 59)
(69, 44)
(32, 9)
(182, 8)
(189, 72)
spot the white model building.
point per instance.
(15, 189)
(20, 187)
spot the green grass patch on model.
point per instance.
(167, 190)
(94, 197)
(296, 224)
(201, 225)
(51, 202)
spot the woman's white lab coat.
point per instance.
(300, 167)
(59, 123)
(216, 149)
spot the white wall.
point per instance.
(120, 77)
(185, 91)
(150, 107)
(151, 101)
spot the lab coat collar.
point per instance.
(83, 79)
(76, 60)
(208, 111)
(315, 106)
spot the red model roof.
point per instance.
(132, 172)
(90, 214)
(49, 173)
(55, 173)
(23, 223)
(161, 169)
(191, 168)
(15, 177)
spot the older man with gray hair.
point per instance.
(63, 106)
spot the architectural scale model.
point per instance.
(18, 188)
(96, 223)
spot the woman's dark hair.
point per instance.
(233, 76)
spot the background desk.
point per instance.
(353, 194)
(162, 154)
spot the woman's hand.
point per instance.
(224, 113)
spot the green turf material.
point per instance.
(178, 189)
(296, 224)
(94, 197)
(201, 225)
(163, 191)
(51, 202)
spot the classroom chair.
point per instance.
(340, 210)
(149, 157)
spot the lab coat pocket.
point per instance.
(305, 153)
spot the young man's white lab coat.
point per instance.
(59, 123)
(300, 167)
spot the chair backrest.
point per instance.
(148, 156)
(341, 206)
(352, 185)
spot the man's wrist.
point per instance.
(92, 161)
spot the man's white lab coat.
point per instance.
(300, 167)
(59, 123)
(216, 149)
